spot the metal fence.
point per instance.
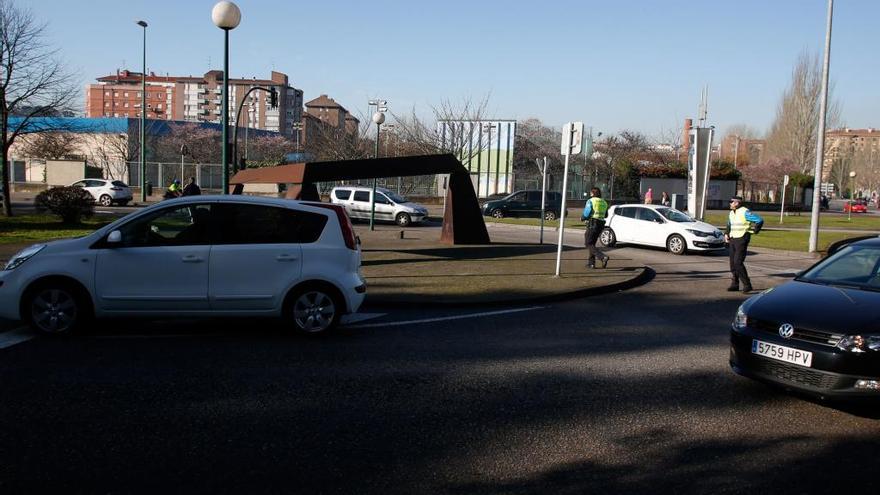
(207, 175)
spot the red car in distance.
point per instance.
(857, 206)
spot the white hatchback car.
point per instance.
(106, 192)
(194, 256)
(661, 226)
(390, 207)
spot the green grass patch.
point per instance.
(795, 240)
(830, 220)
(570, 222)
(39, 228)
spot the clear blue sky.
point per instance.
(623, 64)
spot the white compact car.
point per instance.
(389, 206)
(106, 192)
(194, 256)
(661, 226)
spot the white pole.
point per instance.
(782, 206)
(820, 141)
(543, 195)
(562, 211)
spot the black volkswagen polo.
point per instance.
(820, 333)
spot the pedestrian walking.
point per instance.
(664, 199)
(741, 224)
(594, 214)
(191, 188)
(649, 196)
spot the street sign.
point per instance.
(572, 138)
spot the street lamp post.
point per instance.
(143, 166)
(852, 194)
(378, 119)
(297, 128)
(226, 16)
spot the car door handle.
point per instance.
(286, 257)
(191, 258)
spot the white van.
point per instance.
(389, 206)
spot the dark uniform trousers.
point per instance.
(738, 248)
(594, 229)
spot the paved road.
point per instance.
(630, 392)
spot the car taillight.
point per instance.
(344, 222)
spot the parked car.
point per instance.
(525, 204)
(817, 334)
(390, 207)
(857, 206)
(194, 256)
(106, 192)
(661, 226)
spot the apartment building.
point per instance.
(197, 99)
(325, 112)
(842, 141)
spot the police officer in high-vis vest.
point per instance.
(594, 214)
(741, 224)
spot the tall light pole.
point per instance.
(226, 16)
(143, 164)
(820, 139)
(852, 193)
(378, 119)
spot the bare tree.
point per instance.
(327, 142)
(455, 129)
(50, 145)
(202, 144)
(268, 150)
(792, 136)
(33, 83)
(112, 152)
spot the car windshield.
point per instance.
(674, 215)
(852, 266)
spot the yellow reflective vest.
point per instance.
(739, 225)
(600, 208)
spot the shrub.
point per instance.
(70, 203)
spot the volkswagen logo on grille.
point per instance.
(786, 330)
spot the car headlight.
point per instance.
(699, 233)
(741, 321)
(858, 344)
(23, 255)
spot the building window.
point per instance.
(116, 94)
(106, 93)
(107, 104)
(125, 94)
(125, 105)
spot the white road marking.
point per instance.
(15, 336)
(445, 318)
(357, 317)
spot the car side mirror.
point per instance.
(115, 237)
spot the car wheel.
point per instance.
(105, 200)
(313, 310)
(549, 215)
(498, 213)
(607, 237)
(676, 244)
(403, 219)
(54, 309)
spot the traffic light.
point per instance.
(273, 98)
